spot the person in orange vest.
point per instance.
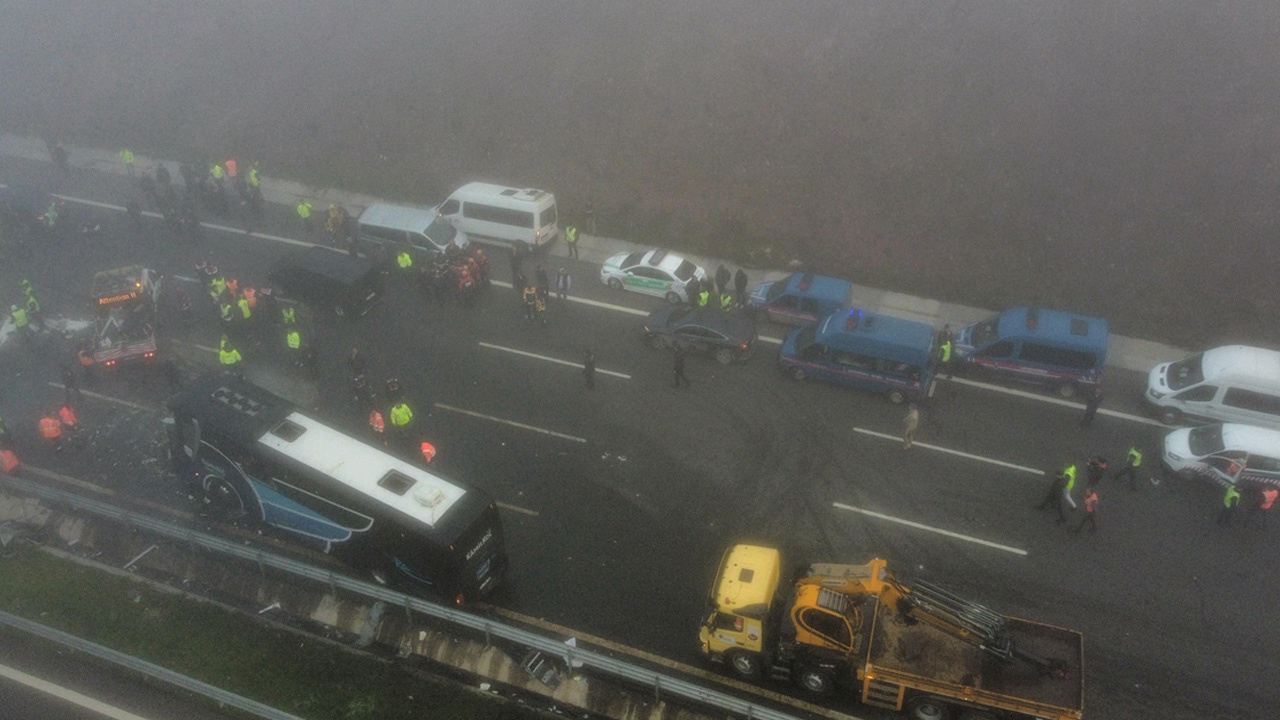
(428, 451)
(1267, 500)
(230, 166)
(68, 418)
(51, 431)
(1090, 510)
(378, 425)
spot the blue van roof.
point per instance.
(819, 285)
(885, 336)
(1079, 330)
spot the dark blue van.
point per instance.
(1045, 347)
(878, 353)
(801, 298)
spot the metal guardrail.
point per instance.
(601, 663)
(142, 666)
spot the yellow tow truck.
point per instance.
(915, 647)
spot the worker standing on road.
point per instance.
(704, 296)
(726, 301)
(404, 260)
(127, 156)
(245, 311)
(589, 369)
(1133, 461)
(540, 307)
(401, 416)
(692, 290)
(740, 285)
(304, 214)
(1059, 494)
(571, 241)
(1097, 469)
(378, 426)
(20, 321)
(945, 348)
(1266, 501)
(530, 299)
(293, 343)
(722, 279)
(255, 182)
(51, 431)
(677, 366)
(228, 356)
(563, 281)
(909, 425)
(544, 283)
(1230, 500)
(1092, 399)
(1090, 511)
(230, 165)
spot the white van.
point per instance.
(1233, 384)
(1225, 453)
(423, 228)
(504, 214)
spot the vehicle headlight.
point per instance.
(1175, 458)
(1155, 394)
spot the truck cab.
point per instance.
(739, 608)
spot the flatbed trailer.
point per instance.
(906, 657)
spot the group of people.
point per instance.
(391, 419)
(699, 292)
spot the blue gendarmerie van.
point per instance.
(801, 298)
(1062, 350)
(877, 353)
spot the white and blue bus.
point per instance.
(254, 458)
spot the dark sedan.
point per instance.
(725, 335)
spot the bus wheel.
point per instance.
(1066, 390)
(923, 707)
(797, 373)
(815, 680)
(896, 397)
(745, 665)
(1170, 416)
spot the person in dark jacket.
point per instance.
(722, 279)
(1092, 399)
(740, 284)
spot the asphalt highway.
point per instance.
(619, 501)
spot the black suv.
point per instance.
(711, 331)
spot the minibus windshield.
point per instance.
(1185, 373)
(985, 332)
(1205, 440)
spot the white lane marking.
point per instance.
(210, 226)
(939, 448)
(512, 423)
(108, 398)
(184, 278)
(1055, 401)
(491, 346)
(516, 508)
(619, 308)
(67, 694)
(919, 526)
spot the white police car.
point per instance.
(656, 272)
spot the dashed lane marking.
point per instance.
(1055, 401)
(67, 694)
(558, 361)
(512, 423)
(516, 508)
(108, 398)
(920, 526)
(949, 451)
(210, 226)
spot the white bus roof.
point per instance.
(365, 468)
(1241, 360)
(492, 192)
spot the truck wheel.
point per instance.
(1066, 390)
(815, 680)
(924, 707)
(615, 284)
(896, 397)
(724, 356)
(1170, 416)
(797, 373)
(745, 665)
